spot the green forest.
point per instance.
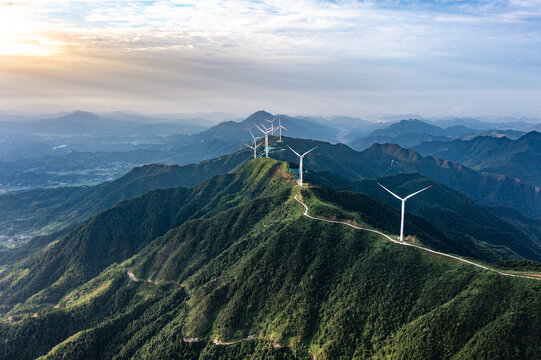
(231, 269)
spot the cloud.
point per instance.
(301, 55)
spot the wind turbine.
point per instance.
(280, 127)
(300, 162)
(403, 206)
(254, 145)
(266, 132)
(272, 125)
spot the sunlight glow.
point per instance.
(21, 33)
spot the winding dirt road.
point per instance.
(457, 258)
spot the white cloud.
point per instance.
(337, 54)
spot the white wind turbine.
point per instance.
(403, 206)
(280, 127)
(300, 161)
(273, 129)
(266, 132)
(254, 145)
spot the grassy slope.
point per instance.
(259, 267)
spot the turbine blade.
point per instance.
(250, 130)
(250, 146)
(294, 151)
(415, 193)
(392, 193)
(309, 151)
(283, 127)
(264, 132)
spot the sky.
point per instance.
(435, 58)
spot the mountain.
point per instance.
(233, 270)
(172, 119)
(391, 159)
(87, 123)
(490, 235)
(497, 133)
(238, 131)
(44, 211)
(296, 127)
(484, 188)
(406, 140)
(519, 158)
(409, 126)
(406, 133)
(346, 124)
(522, 124)
(111, 154)
(413, 132)
(76, 123)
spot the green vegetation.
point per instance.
(488, 235)
(46, 211)
(234, 260)
(514, 158)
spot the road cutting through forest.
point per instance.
(403, 243)
(215, 341)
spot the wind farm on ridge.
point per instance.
(271, 130)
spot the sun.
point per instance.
(8, 47)
(26, 47)
(21, 36)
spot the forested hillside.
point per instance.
(232, 269)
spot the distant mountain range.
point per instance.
(108, 157)
(43, 211)
(409, 133)
(296, 127)
(519, 158)
(87, 123)
(86, 148)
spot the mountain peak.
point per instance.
(258, 116)
(409, 126)
(80, 115)
(532, 135)
(394, 150)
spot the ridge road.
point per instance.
(411, 245)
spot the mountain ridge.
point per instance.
(257, 266)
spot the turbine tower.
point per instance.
(254, 145)
(266, 132)
(280, 127)
(300, 162)
(403, 206)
